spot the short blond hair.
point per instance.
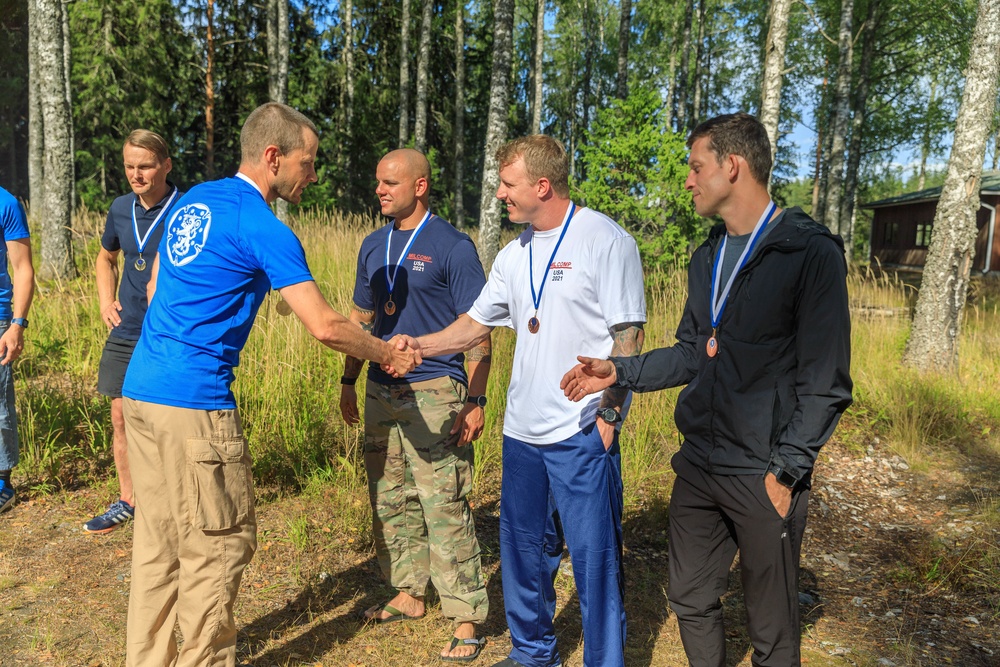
(543, 156)
(273, 124)
(150, 141)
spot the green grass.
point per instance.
(288, 389)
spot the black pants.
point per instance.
(711, 516)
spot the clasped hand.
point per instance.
(405, 355)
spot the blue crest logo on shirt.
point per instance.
(187, 233)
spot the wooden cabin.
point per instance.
(901, 227)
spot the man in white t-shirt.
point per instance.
(571, 281)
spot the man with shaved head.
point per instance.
(416, 275)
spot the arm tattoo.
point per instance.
(482, 353)
(353, 365)
(627, 340)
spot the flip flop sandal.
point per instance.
(455, 641)
(394, 615)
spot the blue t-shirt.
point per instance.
(438, 280)
(120, 235)
(13, 226)
(222, 250)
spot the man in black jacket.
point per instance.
(764, 349)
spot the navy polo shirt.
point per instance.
(119, 234)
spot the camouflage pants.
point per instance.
(418, 483)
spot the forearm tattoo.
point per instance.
(627, 342)
(482, 353)
(353, 365)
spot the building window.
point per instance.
(891, 234)
(924, 234)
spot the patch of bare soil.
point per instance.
(879, 583)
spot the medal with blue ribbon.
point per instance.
(534, 323)
(390, 276)
(140, 263)
(718, 303)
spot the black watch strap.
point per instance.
(477, 400)
(610, 415)
(785, 477)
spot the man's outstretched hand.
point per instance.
(588, 377)
(405, 355)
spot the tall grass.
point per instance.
(288, 385)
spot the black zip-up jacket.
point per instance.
(780, 381)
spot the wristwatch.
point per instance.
(477, 400)
(610, 415)
(20, 321)
(785, 477)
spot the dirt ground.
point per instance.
(875, 588)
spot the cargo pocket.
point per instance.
(218, 482)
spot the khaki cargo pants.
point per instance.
(195, 532)
(418, 483)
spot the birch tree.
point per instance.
(774, 66)
(538, 63)
(459, 129)
(57, 191)
(209, 91)
(404, 76)
(36, 134)
(841, 118)
(423, 62)
(277, 68)
(496, 131)
(624, 36)
(937, 321)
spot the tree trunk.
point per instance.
(57, 206)
(820, 143)
(624, 36)
(699, 52)
(937, 321)
(774, 66)
(277, 68)
(668, 118)
(537, 65)
(858, 110)
(348, 6)
(460, 114)
(496, 130)
(36, 121)
(209, 92)
(404, 76)
(841, 119)
(67, 71)
(925, 143)
(423, 63)
(683, 76)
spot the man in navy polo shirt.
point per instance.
(133, 228)
(195, 526)
(417, 275)
(15, 299)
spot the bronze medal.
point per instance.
(533, 325)
(712, 347)
(140, 264)
(390, 307)
(283, 308)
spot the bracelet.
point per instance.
(348, 381)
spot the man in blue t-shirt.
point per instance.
(133, 229)
(15, 299)
(195, 524)
(417, 275)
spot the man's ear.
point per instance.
(169, 165)
(272, 155)
(543, 187)
(733, 166)
(420, 186)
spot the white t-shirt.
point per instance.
(594, 283)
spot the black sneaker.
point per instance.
(118, 514)
(6, 496)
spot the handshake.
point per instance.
(404, 355)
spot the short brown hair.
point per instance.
(150, 141)
(273, 124)
(543, 156)
(738, 134)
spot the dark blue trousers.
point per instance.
(568, 490)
